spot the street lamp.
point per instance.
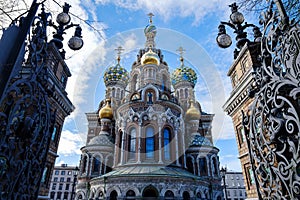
(76, 170)
(223, 174)
(235, 22)
(63, 19)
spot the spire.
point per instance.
(181, 51)
(150, 32)
(119, 51)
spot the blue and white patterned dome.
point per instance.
(150, 29)
(184, 73)
(116, 74)
(199, 141)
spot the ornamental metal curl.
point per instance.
(273, 127)
(26, 122)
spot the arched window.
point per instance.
(203, 166)
(215, 164)
(118, 93)
(132, 143)
(113, 92)
(186, 93)
(149, 142)
(113, 195)
(169, 194)
(84, 164)
(190, 164)
(96, 164)
(130, 194)
(120, 146)
(167, 146)
(134, 83)
(186, 195)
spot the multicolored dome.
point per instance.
(150, 29)
(184, 73)
(199, 141)
(150, 57)
(116, 74)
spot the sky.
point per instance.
(192, 24)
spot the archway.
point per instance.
(113, 195)
(186, 195)
(150, 193)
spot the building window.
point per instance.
(53, 186)
(241, 136)
(60, 186)
(167, 146)
(55, 179)
(234, 79)
(149, 142)
(234, 193)
(241, 193)
(228, 193)
(69, 172)
(58, 195)
(66, 195)
(68, 179)
(67, 186)
(96, 164)
(203, 166)
(53, 136)
(132, 143)
(44, 176)
(63, 172)
(52, 194)
(244, 64)
(62, 179)
(56, 172)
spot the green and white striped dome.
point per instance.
(116, 74)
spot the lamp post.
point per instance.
(74, 181)
(223, 174)
(235, 22)
(28, 102)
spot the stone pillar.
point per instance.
(139, 142)
(176, 148)
(122, 147)
(159, 145)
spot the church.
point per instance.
(149, 138)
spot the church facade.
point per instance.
(149, 139)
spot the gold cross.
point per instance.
(150, 17)
(119, 51)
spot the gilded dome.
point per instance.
(106, 111)
(116, 74)
(150, 57)
(184, 73)
(193, 113)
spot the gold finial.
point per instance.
(150, 17)
(181, 51)
(119, 51)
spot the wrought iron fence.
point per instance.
(272, 124)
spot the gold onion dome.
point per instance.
(193, 113)
(106, 111)
(150, 57)
(184, 73)
(116, 74)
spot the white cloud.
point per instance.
(70, 143)
(231, 162)
(170, 8)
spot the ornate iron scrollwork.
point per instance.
(273, 127)
(26, 122)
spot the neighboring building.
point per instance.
(242, 79)
(61, 182)
(58, 73)
(235, 186)
(147, 140)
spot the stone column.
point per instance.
(139, 142)
(159, 144)
(176, 148)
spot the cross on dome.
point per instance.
(181, 51)
(150, 17)
(119, 51)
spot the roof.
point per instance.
(151, 171)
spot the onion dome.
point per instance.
(199, 140)
(106, 111)
(101, 140)
(193, 113)
(184, 73)
(150, 57)
(116, 74)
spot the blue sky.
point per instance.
(191, 24)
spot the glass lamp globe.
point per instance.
(75, 43)
(237, 18)
(224, 40)
(63, 18)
